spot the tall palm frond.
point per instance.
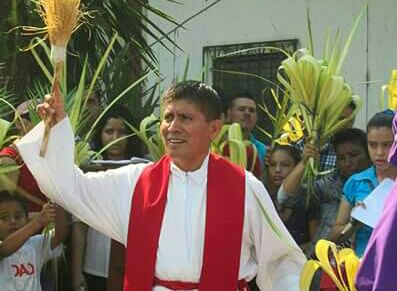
(316, 87)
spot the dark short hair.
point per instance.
(293, 152)
(381, 119)
(350, 135)
(241, 94)
(222, 98)
(200, 94)
(7, 196)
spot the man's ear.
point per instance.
(216, 126)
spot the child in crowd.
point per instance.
(378, 264)
(282, 160)
(22, 252)
(300, 222)
(351, 157)
(359, 186)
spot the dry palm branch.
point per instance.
(61, 19)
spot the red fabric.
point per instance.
(177, 285)
(326, 283)
(25, 180)
(243, 285)
(146, 216)
(223, 231)
(224, 225)
(250, 159)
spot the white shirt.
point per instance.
(97, 253)
(103, 201)
(21, 270)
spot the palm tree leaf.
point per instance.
(114, 101)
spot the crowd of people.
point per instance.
(191, 220)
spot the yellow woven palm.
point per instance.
(392, 91)
(292, 131)
(341, 266)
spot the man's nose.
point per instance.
(173, 125)
(380, 151)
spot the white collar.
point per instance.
(198, 175)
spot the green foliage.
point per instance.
(9, 101)
(320, 93)
(232, 136)
(4, 129)
(76, 98)
(130, 19)
(149, 133)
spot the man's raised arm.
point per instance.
(102, 200)
(52, 110)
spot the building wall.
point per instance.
(372, 56)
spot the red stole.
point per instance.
(223, 229)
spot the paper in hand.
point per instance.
(374, 203)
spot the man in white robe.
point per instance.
(103, 199)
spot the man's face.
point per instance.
(186, 133)
(243, 111)
(351, 158)
(12, 218)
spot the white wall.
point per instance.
(239, 21)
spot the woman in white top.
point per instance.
(91, 250)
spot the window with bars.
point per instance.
(245, 67)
